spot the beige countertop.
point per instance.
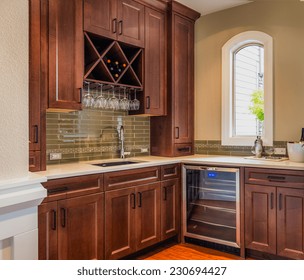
(86, 168)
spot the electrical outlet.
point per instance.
(280, 151)
(127, 153)
(55, 156)
(144, 150)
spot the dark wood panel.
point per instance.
(170, 171)
(129, 178)
(275, 177)
(120, 238)
(34, 161)
(131, 22)
(75, 186)
(260, 218)
(155, 101)
(290, 223)
(147, 215)
(65, 38)
(47, 231)
(183, 70)
(170, 208)
(81, 222)
(100, 17)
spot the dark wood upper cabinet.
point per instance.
(154, 97)
(65, 52)
(122, 20)
(100, 17)
(37, 123)
(173, 135)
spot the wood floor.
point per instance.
(188, 252)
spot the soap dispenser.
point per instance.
(257, 148)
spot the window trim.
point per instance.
(235, 43)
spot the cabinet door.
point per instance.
(65, 53)
(182, 79)
(47, 231)
(155, 102)
(34, 77)
(100, 17)
(147, 215)
(120, 207)
(290, 223)
(131, 22)
(81, 228)
(260, 218)
(170, 208)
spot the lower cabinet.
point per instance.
(110, 215)
(274, 213)
(71, 229)
(170, 208)
(132, 218)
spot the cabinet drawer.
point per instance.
(170, 171)
(129, 178)
(74, 186)
(183, 149)
(274, 177)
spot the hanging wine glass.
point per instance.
(136, 102)
(88, 98)
(113, 102)
(101, 101)
(124, 103)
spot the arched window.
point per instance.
(247, 85)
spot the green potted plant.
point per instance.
(257, 108)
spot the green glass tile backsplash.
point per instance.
(92, 134)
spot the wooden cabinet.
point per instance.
(132, 219)
(70, 220)
(154, 97)
(274, 212)
(173, 135)
(170, 208)
(62, 52)
(122, 20)
(132, 211)
(260, 218)
(36, 102)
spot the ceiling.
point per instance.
(210, 6)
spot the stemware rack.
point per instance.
(112, 62)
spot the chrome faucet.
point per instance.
(122, 141)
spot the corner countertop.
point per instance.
(86, 168)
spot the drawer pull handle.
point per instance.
(165, 193)
(140, 199)
(52, 191)
(271, 200)
(36, 134)
(120, 27)
(276, 178)
(114, 25)
(133, 200)
(184, 149)
(63, 217)
(148, 102)
(54, 219)
(280, 201)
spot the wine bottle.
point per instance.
(302, 136)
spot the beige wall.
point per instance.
(285, 23)
(13, 89)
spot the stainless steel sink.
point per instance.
(116, 163)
